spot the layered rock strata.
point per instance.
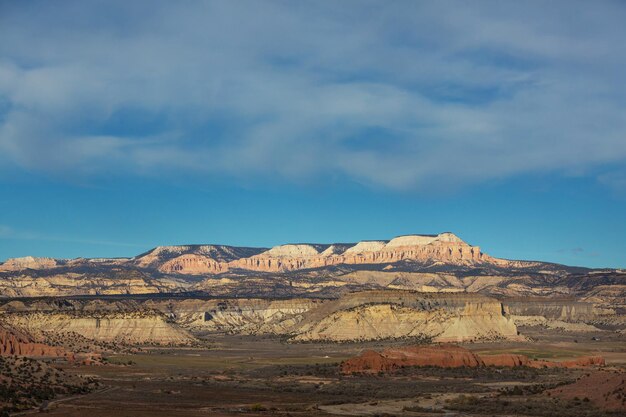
(368, 315)
(372, 315)
(122, 327)
(27, 262)
(445, 247)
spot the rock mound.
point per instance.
(28, 262)
(449, 356)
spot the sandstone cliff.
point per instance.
(99, 281)
(28, 262)
(397, 314)
(444, 247)
(137, 327)
(193, 259)
(13, 342)
(366, 315)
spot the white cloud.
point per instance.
(403, 95)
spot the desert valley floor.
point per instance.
(260, 376)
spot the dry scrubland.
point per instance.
(261, 376)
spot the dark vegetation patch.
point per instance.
(28, 383)
(531, 406)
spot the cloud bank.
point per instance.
(399, 95)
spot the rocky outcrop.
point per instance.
(449, 356)
(193, 264)
(101, 281)
(443, 356)
(27, 262)
(437, 263)
(570, 310)
(554, 324)
(221, 254)
(137, 327)
(368, 315)
(238, 316)
(445, 247)
(17, 343)
(372, 315)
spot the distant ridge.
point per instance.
(197, 259)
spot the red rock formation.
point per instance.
(215, 259)
(444, 356)
(449, 356)
(444, 247)
(14, 343)
(507, 360)
(193, 264)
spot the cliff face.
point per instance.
(566, 310)
(444, 247)
(216, 259)
(366, 315)
(100, 281)
(193, 264)
(16, 343)
(382, 315)
(27, 262)
(193, 259)
(126, 327)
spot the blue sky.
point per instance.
(126, 126)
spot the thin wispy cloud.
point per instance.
(402, 95)
(7, 232)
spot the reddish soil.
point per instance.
(606, 390)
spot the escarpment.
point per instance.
(100, 280)
(193, 264)
(441, 263)
(216, 259)
(359, 316)
(373, 315)
(369, 315)
(13, 342)
(560, 309)
(137, 327)
(444, 247)
(191, 259)
(28, 262)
